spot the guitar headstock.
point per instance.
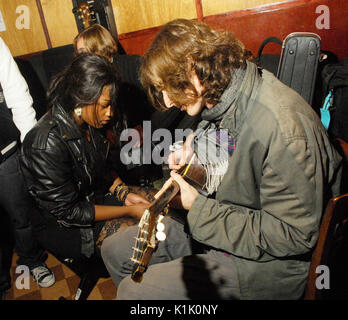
(86, 14)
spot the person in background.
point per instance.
(258, 226)
(17, 117)
(64, 161)
(98, 40)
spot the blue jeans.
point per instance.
(15, 201)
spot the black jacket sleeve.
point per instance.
(49, 177)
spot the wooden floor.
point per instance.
(66, 285)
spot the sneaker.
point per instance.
(43, 276)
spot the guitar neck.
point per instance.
(163, 199)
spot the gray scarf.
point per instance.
(213, 144)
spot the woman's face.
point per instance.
(99, 114)
(80, 45)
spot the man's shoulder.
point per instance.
(283, 101)
(282, 110)
(276, 94)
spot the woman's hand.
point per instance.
(137, 211)
(133, 198)
(188, 193)
(116, 182)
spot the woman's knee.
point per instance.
(108, 248)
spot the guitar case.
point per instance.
(299, 63)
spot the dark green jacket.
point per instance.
(269, 204)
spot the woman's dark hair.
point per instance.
(82, 82)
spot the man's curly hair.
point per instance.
(183, 47)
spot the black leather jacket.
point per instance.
(63, 171)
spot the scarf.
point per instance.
(212, 144)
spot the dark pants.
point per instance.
(6, 251)
(61, 241)
(17, 204)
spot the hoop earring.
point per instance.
(78, 111)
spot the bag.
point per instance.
(297, 64)
(334, 111)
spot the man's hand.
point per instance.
(188, 193)
(179, 158)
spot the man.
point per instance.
(256, 233)
(17, 117)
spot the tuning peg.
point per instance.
(161, 236)
(160, 226)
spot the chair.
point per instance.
(331, 251)
(90, 270)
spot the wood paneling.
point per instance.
(22, 41)
(132, 15)
(137, 42)
(60, 21)
(254, 25)
(211, 7)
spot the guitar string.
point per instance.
(138, 250)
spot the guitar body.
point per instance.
(89, 12)
(150, 226)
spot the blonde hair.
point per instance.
(183, 47)
(97, 40)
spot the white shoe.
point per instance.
(43, 276)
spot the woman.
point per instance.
(98, 40)
(64, 158)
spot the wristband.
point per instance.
(125, 195)
(118, 190)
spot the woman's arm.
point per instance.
(111, 212)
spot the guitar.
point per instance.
(86, 14)
(151, 229)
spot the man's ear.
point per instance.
(196, 83)
(168, 103)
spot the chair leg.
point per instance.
(87, 283)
